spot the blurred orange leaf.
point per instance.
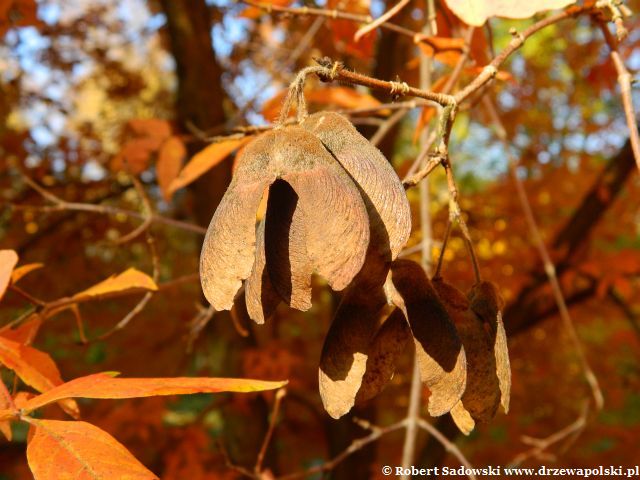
(8, 260)
(26, 332)
(103, 385)
(80, 451)
(255, 12)
(476, 12)
(151, 128)
(35, 368)
(172, 154)
(136, 154)
(204, 161)
(341, 97)
(22, 270)
(131, 279)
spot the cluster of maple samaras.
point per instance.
(336, 207)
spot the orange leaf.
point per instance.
(204, 161)
(79, 451)
(8, 260)
(130, 280)
(476, 12)
(150, 127)
(172, 154)
(35, 368)
(342, 97)
(255, 12)
(103, 385)
(136, 154)
(26, 332)
(21, 271)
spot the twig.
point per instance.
(549, 267)
(147, 213)
(624, 80)
(448, 445)
(356, 445)
(387, 125)
(202, 318)
(280, 394)
(60, 205)
(413, 180)
(380, 20)
(413, 409)
(155, 260)
(540, 445)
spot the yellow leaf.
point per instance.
(21, 271)
(130, 280)
(204, 161)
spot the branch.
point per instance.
(549, 267)
(60, 205)
(448, 445)
(624, 80)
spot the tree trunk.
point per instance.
(199, 104)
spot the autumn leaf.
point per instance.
(155, 128)
(79, 451)
(103, 385)
(204, 161)
(35, 368)
(8, 260)
(23, 270)
(135, 155)
(476, 12)
(130, 281)
(341, 97)
(172, 154)
(25, 332)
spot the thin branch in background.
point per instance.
(386, 126)
(549, 267)
(280, 394)
(624, 80)
(386, 16)
(413, 409)
(541, 445)
(357, 444)
(626, 309)
(197, 324)
(60, 205)
(147, 212)
(448, 445)
(155, 260)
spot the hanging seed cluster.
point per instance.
(336, 208)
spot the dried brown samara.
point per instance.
(325, 203)
(479, 322)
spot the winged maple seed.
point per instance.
(479, 322)
(333, 201)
